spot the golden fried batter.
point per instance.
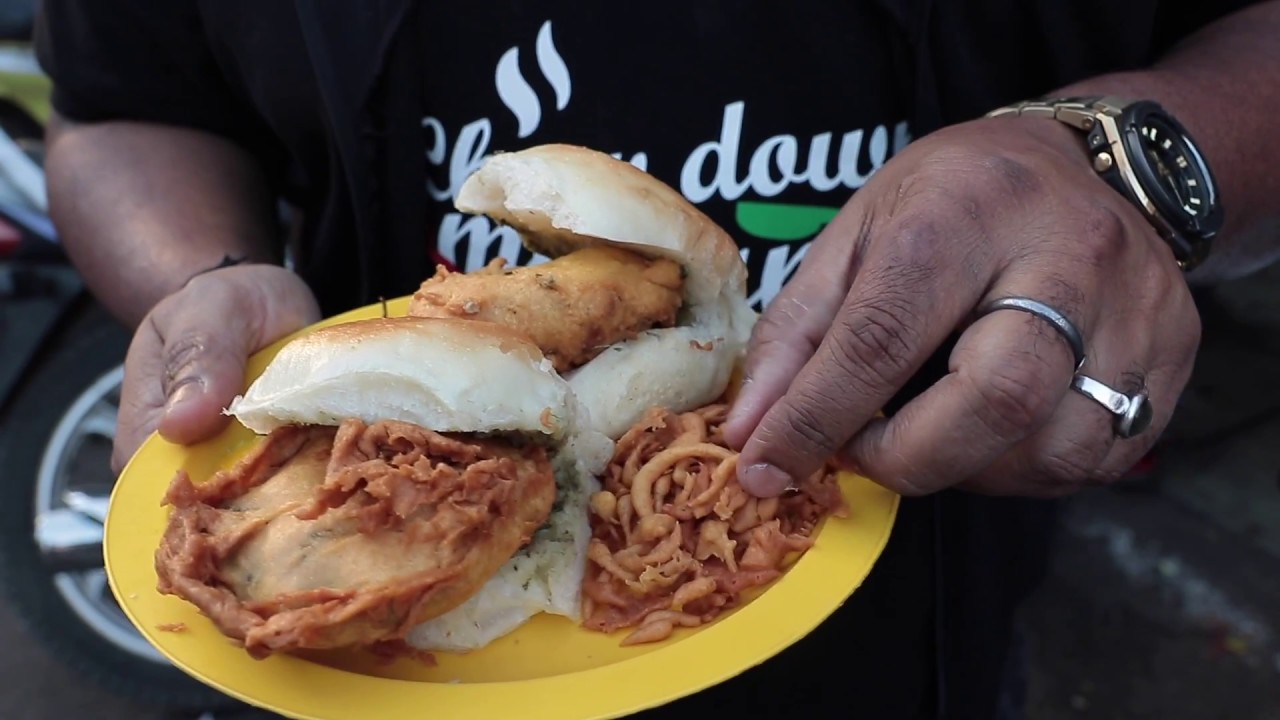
(322, 539)
(571, 307)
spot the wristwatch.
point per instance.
(1144, 152)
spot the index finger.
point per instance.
(905, 300)
(792, 326)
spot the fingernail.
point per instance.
(765, 480)
(183, 390)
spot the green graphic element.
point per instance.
(783, 222)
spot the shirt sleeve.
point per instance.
(137, 60)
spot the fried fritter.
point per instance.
(325, 538)
(571, 307)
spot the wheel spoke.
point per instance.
(69, 540)
(94, 506)
(100, 421)
(95, 583)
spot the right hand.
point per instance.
(187, 359)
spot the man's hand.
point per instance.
(187, 359)
(987, 209)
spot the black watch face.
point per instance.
(1176, 166)
(1174, 174)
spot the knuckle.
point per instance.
(933, 208)
(875, 341)
(803, 433)
(1012, 175)
(777, 322)
(225, 291)
(1013, 397)
(925, 189)
(214, 292)
(882, 458)
(1073, 463)
(1106, 476)
(945, 200)
(1103, 235)
(810, 426)
(163, 313)
(922, 242)
(181, 353)
(915, 189)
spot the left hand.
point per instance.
(974, 212)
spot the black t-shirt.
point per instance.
(367, 115)
(329, 97)
(738, 110)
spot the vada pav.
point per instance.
(409, 466)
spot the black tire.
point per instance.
(89, 346)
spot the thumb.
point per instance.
(202, 372)
(209, 337)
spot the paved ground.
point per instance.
(1163, 600)
(34, 687)
(1142, 618)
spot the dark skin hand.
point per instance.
(187, 359)
(977, 210)
(988, 220)
(187, 200)
(999, 207)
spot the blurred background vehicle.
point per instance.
(60, 372)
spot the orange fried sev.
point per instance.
(675, 540)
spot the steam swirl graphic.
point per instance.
(552, 66)
(518, 95)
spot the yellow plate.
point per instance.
(548, 669)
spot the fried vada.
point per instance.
(409, 465)
(643, 302)
(426, 480)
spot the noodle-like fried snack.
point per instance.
(572, 307)
(675, 540)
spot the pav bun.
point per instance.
(440, 374)
(461, 376)
(563, 198)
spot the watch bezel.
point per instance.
(1197, 230)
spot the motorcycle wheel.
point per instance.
(55, 442)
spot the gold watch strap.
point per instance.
(1086, 114)
(1079, 113)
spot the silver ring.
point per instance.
(1132, 412)
(1064, 326)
